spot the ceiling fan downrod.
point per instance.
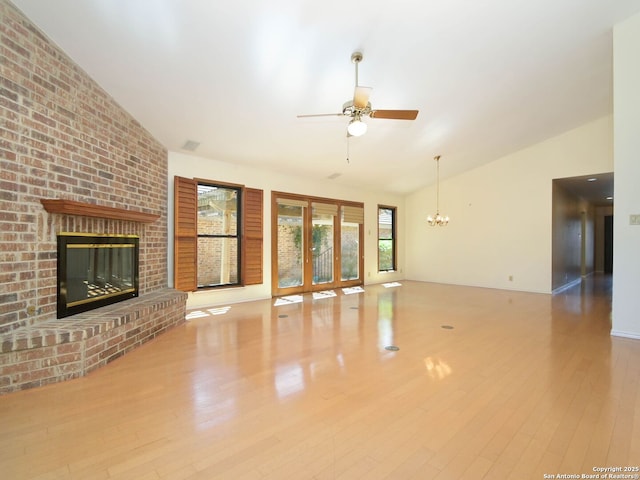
(356, 57)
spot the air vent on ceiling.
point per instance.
(190, 145)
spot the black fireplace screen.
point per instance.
(95, 270)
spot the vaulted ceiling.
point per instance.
(488, 77)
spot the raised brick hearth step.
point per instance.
(71, 347)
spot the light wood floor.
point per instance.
(523, 385)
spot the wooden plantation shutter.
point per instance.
(253, 237)
(185, 227)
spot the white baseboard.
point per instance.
(618, 333)
(566, 286)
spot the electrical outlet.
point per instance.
(511, 278)
(634, 219)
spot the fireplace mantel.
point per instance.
(72, 207)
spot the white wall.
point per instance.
(501, 214)
(626, 237)
(191, 166)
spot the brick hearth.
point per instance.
(71, 347)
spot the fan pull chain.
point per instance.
(348, 143)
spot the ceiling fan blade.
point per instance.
(322, 115)
(361, 97)
(394, 114)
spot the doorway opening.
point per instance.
(582, 228)
(608, 244)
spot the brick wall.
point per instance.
(62, 136)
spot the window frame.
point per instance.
(394, 218)
(239, 189)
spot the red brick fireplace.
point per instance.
(64, 139)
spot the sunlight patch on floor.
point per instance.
(350, 290)
(324, 294)
(207, 312)
(288, 300)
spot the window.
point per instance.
(386, 239)
(218, 234)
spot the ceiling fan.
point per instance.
(360, 107)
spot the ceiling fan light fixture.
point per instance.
(356, 127)
(360, 107)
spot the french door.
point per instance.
(317, 243)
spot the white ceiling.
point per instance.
(489, 77)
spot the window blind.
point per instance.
(352, 214)
(290, 202)
(325, 208)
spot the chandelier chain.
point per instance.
(438, 184)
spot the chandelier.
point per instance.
(439, 220)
